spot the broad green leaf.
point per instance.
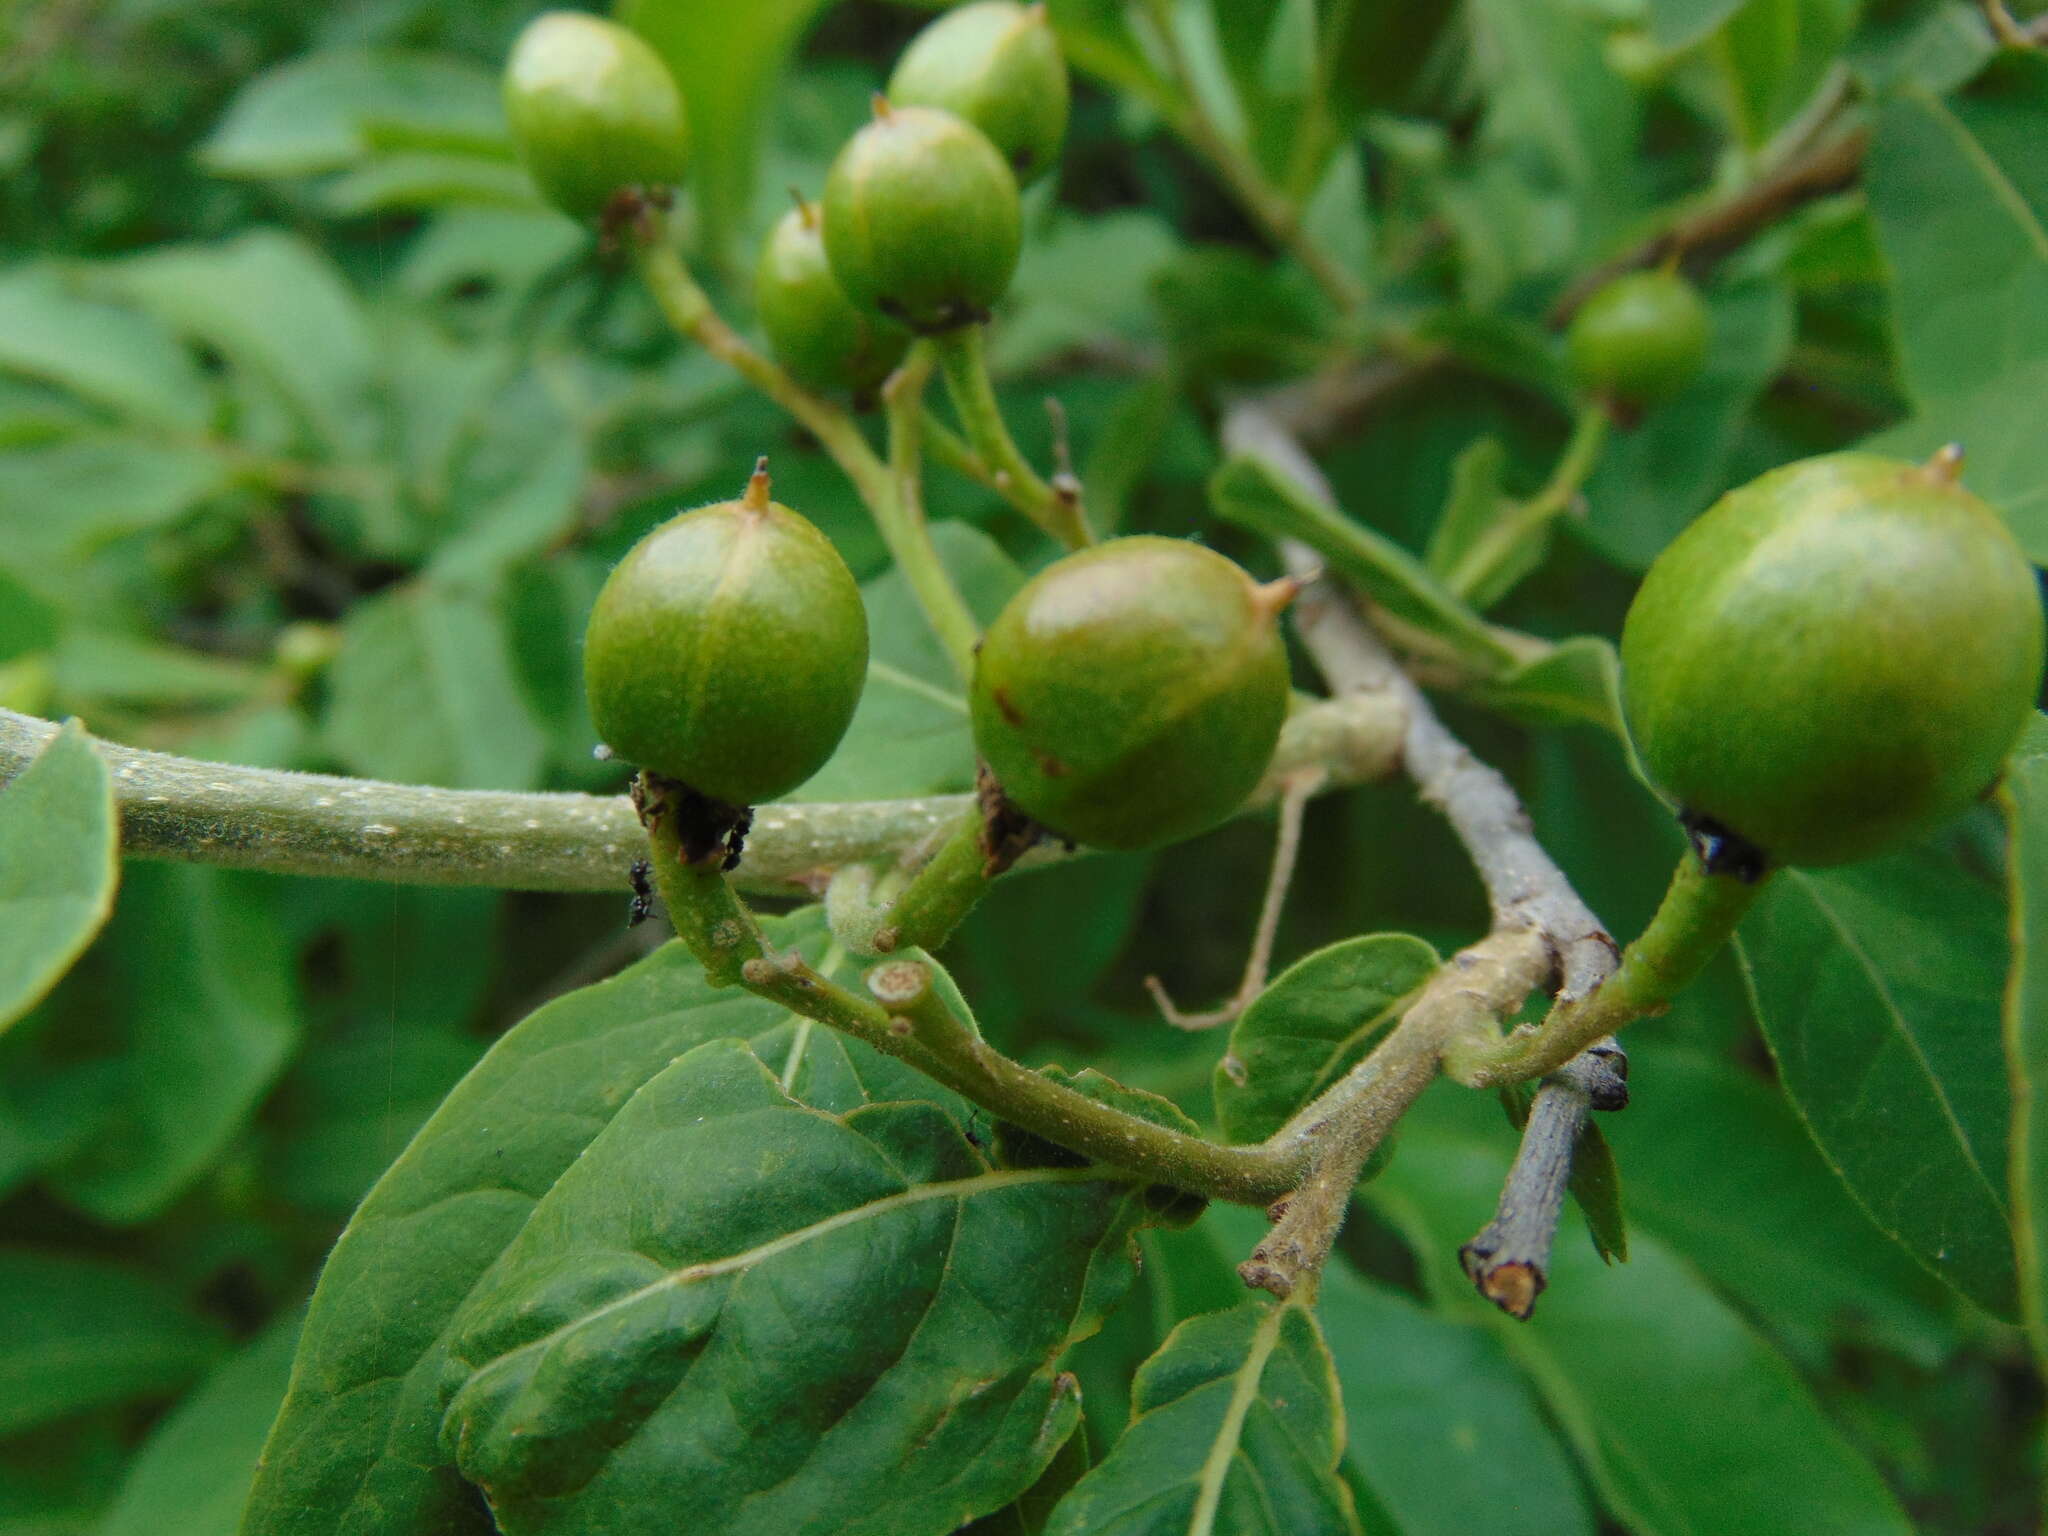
(1877, 987)
(423, 692)
(1029, 1515)
(62, 501)
(534, 511)
(909, 735)
(101, 666)
(113, 357)
(1776, 54)
(89, 1332)
(1773, 1228)
(1443, 1428)
(2026, 1022)
(1654, 480)
(427, 180)
(59, 864)
(1676, 24)
(1960, 199)
(1238, 1429)
(1079, 280)
(1315, 1022)
(727, 60)
(277, 308)
(192, 1476)
(737, 1313)
(1245, 491)
(314, 112)
(1612, 1349)
(1473, 505)
(208, 1013)
(1935, 44)
(354, 1448)
(1577, 683)
(2005, 458)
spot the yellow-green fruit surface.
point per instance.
(1834, 658)
(818, 334)
(997, 64)
(921, 219)
(593, 109)
(728, 650)
(1640, 338)
(1131, 694)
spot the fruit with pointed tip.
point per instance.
(728, 649)
(1835, 658)
(1132, 694)
(997, 64)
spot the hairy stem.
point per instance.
(963, 357)
(944, 891)
(1697, 916)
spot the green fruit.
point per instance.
(1639, 339)
(728, 650)
(1132, 694)
(593, 110)
(921, 219)
(818, 334)
(997, 64)
(1835, 657)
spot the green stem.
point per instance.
(963, 357)
(932, 905)
(1697, 917)
(1480, 566)
(892, 491)
(707, 913)
(902, 521)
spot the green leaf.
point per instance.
(59, 864)
(1081, 279)
(111, 356)
(2006, 458)
(1651, 482)
(64, 500)
(426, 180)
(1777, 54)
(1577, 683)
(354, 1447)
(1238, 1430)
(1474, 503)
(1773, 1228)
(97, 1333)
(1443, 1428)
(277, 308)
(654, 1350)
(1248, 492)
(1033, 1509)
(1612, 1349)
(192, 1476)
(1676, 24)
(208, 1013)
(537, 508)
(423, 691)
(1960, 200)
(313, 113)
(909, 735)
(2026, 1021)
(1315, 1022)
(726, 59)
(1877, 987)
(105, 667)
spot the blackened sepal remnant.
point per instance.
(706, 830)
(1724, 852)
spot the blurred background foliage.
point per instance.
(317, 434)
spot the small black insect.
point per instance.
(736, 839)
(643, 894)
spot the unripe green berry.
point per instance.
(997, 64)
(1639, 339)
(728, 650)
(593, 110)
(818, 334)
(921, 219)
(1834, 658)
(1132, 694)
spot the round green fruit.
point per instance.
(997, 64)
(728, 650)
(1835, 657)
(922, 223)
(1132, 694)
(1639, 339)
(819, 335)
(593, 110)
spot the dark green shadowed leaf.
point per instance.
(1877, 987)
(1237, 1432)
(1577, 683)
(739, 1314)
(1312, 1025)
(1247, 492)
(1687, 1419)
(2026, 1022)
(58, 867)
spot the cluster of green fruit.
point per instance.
(1832, 659)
